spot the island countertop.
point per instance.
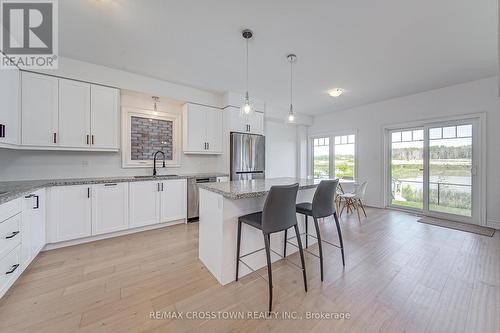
(242, 189)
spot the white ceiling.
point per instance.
(373, 49)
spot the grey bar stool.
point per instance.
(323, 205)
(278, 215)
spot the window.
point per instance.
(334, 156)
(321, 157)
(145, 132)
(344, 153)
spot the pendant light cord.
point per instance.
(291, 85)
(247, 66)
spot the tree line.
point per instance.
(436, 152)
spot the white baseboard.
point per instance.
(54, 246)
(495, 224)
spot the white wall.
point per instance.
(281, 149)
(369, 120)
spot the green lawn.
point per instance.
(432, 207)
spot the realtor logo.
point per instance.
(29, 34)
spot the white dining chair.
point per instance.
(354, 200)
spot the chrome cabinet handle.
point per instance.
(14, 267)
(12, 235)
(54, 137)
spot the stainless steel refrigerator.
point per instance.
(248, 156)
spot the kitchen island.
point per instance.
(220, 206)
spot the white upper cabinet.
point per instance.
(40, 110)
(214, 130)
(109, 207)
(74, 114)
(252, 124)
(202, 129)
(173, 200)
(105, 117)
(10, 88)
(68, 114)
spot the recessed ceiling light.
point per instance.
(336, 92)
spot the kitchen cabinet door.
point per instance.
(69, 213)
(257, 123)
(194, 128)
(173, 200)
(10, 94)
(40, 110)
(105, 117)
(109, 207)
(144, 203)
(214, 130)
(74, 114)
(237, 122)
(37, 203)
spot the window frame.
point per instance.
(331, 152)
(127, 114)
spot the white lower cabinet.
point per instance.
(144, 203)
(22, 235)
(157, 202)
(109, 208)
(10, 269)
(173, 200)
(33, 225)
(69, 213)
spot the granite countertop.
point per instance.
(243, 189)
(11, 190)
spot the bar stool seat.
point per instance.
(304, 208)
(254, 219)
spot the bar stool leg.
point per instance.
(267, 242)
(307, 232)
(299, 242)
(340, 237)
(284, 246)
(318, 235)
(238, 242)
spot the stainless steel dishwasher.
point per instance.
(193, 197)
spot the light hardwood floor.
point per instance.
(400, 276)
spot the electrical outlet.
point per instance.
(85, 163)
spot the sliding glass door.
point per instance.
(432, 168)
(407, 168)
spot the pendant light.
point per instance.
(155, 99)
(291, 115)
(247, 107)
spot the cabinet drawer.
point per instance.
(9, 269)
(10, 209)
(10, 234)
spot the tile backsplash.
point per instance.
(150, 135)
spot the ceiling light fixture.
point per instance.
(336, 92)
(247, 107)
(291, 115)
